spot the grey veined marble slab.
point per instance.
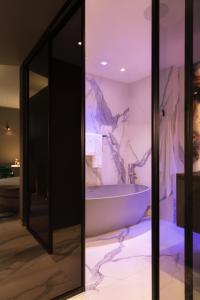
(118, 264)
(102, 120)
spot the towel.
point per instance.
(94, 148)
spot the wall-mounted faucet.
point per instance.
(131, 173)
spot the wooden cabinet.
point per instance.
(180, 200)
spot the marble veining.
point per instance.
(138, 163)
(109, 125)
(123, 144)
(171, 130)
(96, 274)
(118, 264)
(104, 119)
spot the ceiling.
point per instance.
(22, 23)
(118, 32)
(66, 44)
(37, 83)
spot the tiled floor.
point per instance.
(28, 272)
(118, 265)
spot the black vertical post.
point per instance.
(50, 152)
(188, 150)
(155, 149)
(83, 113)
(23, 143)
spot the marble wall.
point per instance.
(117, 111)
(171, 138)
(107, 110)
(122, 114)
(139, 129)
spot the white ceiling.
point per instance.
(118, 32)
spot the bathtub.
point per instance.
(111, 207)
(9, 193)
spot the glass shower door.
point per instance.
(38, 149)
(179, 150)
(171, 149)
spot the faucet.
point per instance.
(131, 173)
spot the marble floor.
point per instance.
(118, 264)
(28, 272)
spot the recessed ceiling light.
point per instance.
(104, 63)
(122, 69)
(79, 43)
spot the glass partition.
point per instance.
(118, 153)
(66, 162)
(38, 141)
(171, 148)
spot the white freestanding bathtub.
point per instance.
(111, 207)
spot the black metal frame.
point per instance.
(83, 144)
(155, 151)
(23, 143)
(188, 215)
(59, 21)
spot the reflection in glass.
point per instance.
(66, 163)
(171, 149)
(37, 83)
(38, 109)
(196, 152)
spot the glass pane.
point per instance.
(38, 120)
(66, 163)
(118, 149)
(196, 153)
(172, 15)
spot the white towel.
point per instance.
(94, 148)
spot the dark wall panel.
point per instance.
(66, 144)
(9, 141)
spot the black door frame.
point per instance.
(63, 16)
(189, 11)
(155, 229)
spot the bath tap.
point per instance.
(131, 173)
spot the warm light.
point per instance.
(104, 63)
(122, 69)
(8, 128)
(79, 43)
